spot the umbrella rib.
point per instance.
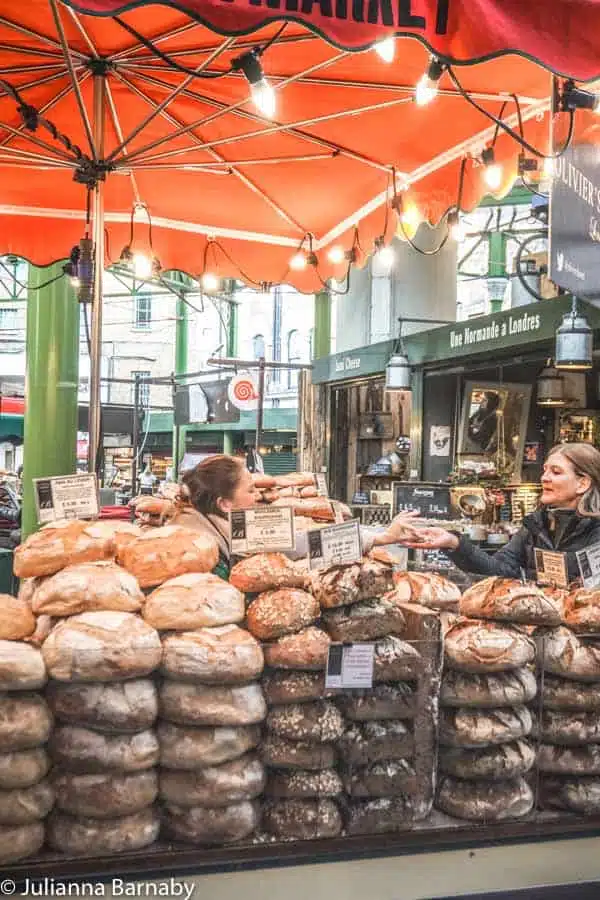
(29, 32)
(52, 102)
(240, 45)
(266, 161)
(22, 70)
(35, 140)
(119, 133)
(33, 157)
(32, 51)
(159, 39)
(82, 31)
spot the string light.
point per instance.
(336, 255)
(298, 261)
(410, 216)
(262, 92)
(573, 98)
(492, 172)
(210, 282)
(385, 254)
(386, 49)
(455, 227)
(142, 265)
(427, 86)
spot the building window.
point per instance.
(294, 355)
(258, 346)
(144, 389)
(9, 318)
(143, 311)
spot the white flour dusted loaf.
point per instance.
(472, 646)
(24, 806)
(101, 646)
(18, 842)
(307, 649)
(81, 836)
(16, 618)
(582, 611)
(485, 801)
(567, 728)
(82, 751)
(22, 768)
(426, 589)
(558, 693)
(365, 621)
(392, 778)
(276, 613)
(511, 601)
(232, 782)
(364, 743)
(569, 760)
(563, 653)
(500, 689)
(200, 704)
(482, 727)
(62, 544)
(219, 825)
(578, 795)
(124, 707)
(195, 748)
(195, 600)
(266, 572)
(224, 655)
(163, 553)
(396, 660)
(380, 816)
(105, 795)
(495, 763)
(87, 587)
(25, 722)
(22, 667)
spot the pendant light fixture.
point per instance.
(574, 342)
(550, 387)
(398, 369)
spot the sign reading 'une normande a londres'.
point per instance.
(495, 331)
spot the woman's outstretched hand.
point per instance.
(400, 530)
(432, 539)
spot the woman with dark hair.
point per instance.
(483, 424)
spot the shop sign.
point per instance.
(350, 666)
(66, 497)
(321, 482)
(589, 565)
(243, 392)
(336, 545)
(262, 530)
(575, 220)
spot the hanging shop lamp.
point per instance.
(398, 369)
(574, 342)
(550, 387)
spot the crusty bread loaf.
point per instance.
(577, 795)
(365, 621)
(43, 627)
(263, 482)
(307, 649)
(105, 795)
(16, 618)
(319, 722)
(381, 816)
(124, 707)
(569, 728)
(499, 689)
(220, 825)
(82, 751)
(301, 785)
(266, 572)
(301, 819)
(396, 660)
(163, 553)
(471, 728)
(281, 686)
(295, 479)
(392, 778)
(200, 704)
(87, 587)
(22, 768)
(569, 760)
(22, 667)
(195, 600)
(559, 693)
(231, 782)
(508, 600)
(511, 760)
(364, 743)
(101, 646)
(484, 801)
(279, 753)
(486, 647)
(426, 589)
(276, 613)
(344, 585)
(384, 701)
(563, 653)
(25, 722)
(19, 842)
(81, 836)
(186, 747)
(24, 806)
(224, 655)
(582, 611)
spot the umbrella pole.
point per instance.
(96, 331)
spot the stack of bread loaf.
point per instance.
(569, 725)
(485, 754)
(297, 490)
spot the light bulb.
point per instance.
(264, 98)
(386, 49)
(75, 282)
(210, 282)
(493, 176)
(298, 261)
(425, 91)
(410, 216)
(142, 265)
(548, 167)
(456, 228)
(386, 256)
(336, 255)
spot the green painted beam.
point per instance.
(181, 361)
(322, 338)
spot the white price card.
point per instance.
(321, 482)
(588, 561)
(551, 568)
(350, 666)
(66, 497)
(335, 545)
(262, 530)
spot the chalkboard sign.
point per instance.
(431, 500)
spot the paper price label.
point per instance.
(350, 666)
(588, 561)
(262, 530)
(321, 482)
(551, 568)
(66, 497)
(336, 545)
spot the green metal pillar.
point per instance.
(497, 265)
(181, 362)
(322, 332)
(232, 331)
(50, 436)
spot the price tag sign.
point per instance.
(350, 666)
(336, 545)
(262, 530)
(321, 483)
(66, 497)
(551, 568)
(588, 561)
(337, 512)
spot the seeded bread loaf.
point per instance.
(301, 819)
(281, 686)
(277, 613)
(266, 572)
(319, 722)
(307, 649)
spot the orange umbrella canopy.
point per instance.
(231, 189)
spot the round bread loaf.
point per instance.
(266, 572)
(320, 721)
(295, 479)
(511, 760)
(163, 553)
(24, 806)
(124, 707)
(22, 768)
(301, 820)
(279, 753)
(219, 825)
(426, 589)
(82, 836)
(481, 727)
(569, 760)
(195, 600)
(375, 579)
(101, 646)
(336, 587)
(563, 653)
(105, 796)
(232, 782)
(22, 667)
(486, 647)
(195, 748)
(484, 801)
(61, 544)
(263, 482)
(365, 621)
(200, 704)
(43, 627)
(384, 701)
(20, 842)
(81, 751)
(16, 618)
(558, 693)
(383, 779)
(276, 613)
(508, 600)
(364, 743)
(501, 689)
(569, 728)
(25, 722)
(88, 587)
(301, 785)
(577, 795)
(381, 816)
(308, 649)
(224, 655)
(582, 611)
(293, 687)
(396, 660)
